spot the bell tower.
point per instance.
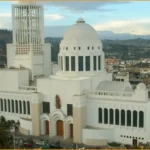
(28, 49)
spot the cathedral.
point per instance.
(79, 101)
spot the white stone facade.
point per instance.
(80, 100)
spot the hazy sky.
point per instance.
(119, 17)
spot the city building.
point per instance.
(80, 101)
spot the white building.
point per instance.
(80, 100)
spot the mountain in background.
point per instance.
(59, 31)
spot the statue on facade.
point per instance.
(58, 104)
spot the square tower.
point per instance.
(28, 49)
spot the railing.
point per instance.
(110, 95)
(28, 89)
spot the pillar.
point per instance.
(79, 117)
(35, 114)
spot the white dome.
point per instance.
(81, 31)
(141, 86)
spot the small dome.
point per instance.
(141, 86)
(81, 31)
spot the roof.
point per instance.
(81, 31)
(115, 86)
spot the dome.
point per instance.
(141, 86)
(81, 31)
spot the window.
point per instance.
(94, 62)
(74, 48)
(20, 104)
(111, 116)
(122, 117)
(141, 119)
(100, 114)
(12, 102)
(80, 63)
(73, 63)
(134, 118)
(122, 79)
(117, 117)
(67, 63)
(98, 47)
(69, 110)
(24, 107)
(16, 104)
(28, 105)
(92, 47)
(5, 105)
(8, 105)
(66, 48)
(87, 59)
(99, 62)
(105, 116)
(88, 47)
(46, 107)
(79, 48)
(128, 118)
(1, 105)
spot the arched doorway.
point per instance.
(60, 128)
(71, 130)
(46, 127)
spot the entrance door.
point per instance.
(60, 128)
(134, 142)
(71, 130)
(47, 126)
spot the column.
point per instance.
(96, 63)
(3, 105)
(22, 107)
(64, 66)
(18, 107)
(91, 63)
(26, 107)
(14, 106)
(69, 63)
(10, 106)
(84, 63)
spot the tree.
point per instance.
(4, 133)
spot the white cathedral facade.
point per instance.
(80, 101)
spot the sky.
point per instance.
(118, 17)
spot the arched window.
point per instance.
(8, 105)
(122, 117)
(111, 116)
(28, 105)
(134, 118)
(128, 118)
(1, 105)
(16, 104)
(141, 119)
(12, 104)
(5, 105)
(105, 116)
(117, 117)
(100, 115)
(20, 105)
(24, 107)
